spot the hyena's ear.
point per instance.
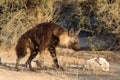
(71, 33)
(77, 33)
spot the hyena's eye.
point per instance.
(75, 42)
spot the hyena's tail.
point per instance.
(21, 47)
(20, 52)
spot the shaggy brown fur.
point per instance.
(42, 36)
(0, 28)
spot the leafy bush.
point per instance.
(97, 17)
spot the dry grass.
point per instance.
(17, 16)
(67, 58)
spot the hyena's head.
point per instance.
(70, 39)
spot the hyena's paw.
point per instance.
(41, 68)
(17, 69)
(31, 69)
(59, 68)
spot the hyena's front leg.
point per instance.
(52, 51)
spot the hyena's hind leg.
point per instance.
(31, 57)
(20, 55)
(17, 63)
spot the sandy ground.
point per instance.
(70, 60)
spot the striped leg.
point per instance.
(32, 56)
(53, 54)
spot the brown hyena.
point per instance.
(42, 36)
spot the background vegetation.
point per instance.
(97, 18)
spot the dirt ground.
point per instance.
(70, 60)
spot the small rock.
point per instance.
(35, 63)
(97, 64)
